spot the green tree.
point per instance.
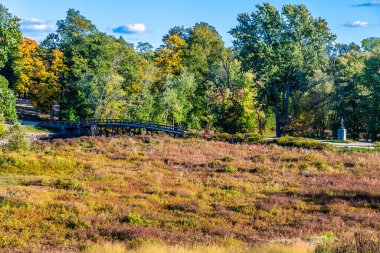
(145, 49)
(205, 48)
(371, 81)
(284, 50)
(7, 101)
(103, 70)
(177, 99)
(233, 97)
(349, 92)
(141, 104)
(10, 36)
(17, 139)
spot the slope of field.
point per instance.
(68, 194)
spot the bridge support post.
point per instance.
(94, 130)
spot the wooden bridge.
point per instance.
(113, 127)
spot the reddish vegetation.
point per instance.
(67, 193)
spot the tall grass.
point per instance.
(120, 248)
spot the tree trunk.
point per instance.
(51, 114)
(277, 109)
(285, 110)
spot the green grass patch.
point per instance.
(288, 141)
(37, 129)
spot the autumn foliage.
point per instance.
(40, 72)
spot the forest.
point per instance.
(284, 74)
(223, 186)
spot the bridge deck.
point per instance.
(112, 123)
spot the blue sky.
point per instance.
(149, 20)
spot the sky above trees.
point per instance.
(148, 20)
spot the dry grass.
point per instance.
(68, 194)
(157, 248)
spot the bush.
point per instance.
(238, 138)
(132, 219)
(17, 140)
(317, 161)
(67, 184)
(214, 164)
(232, 138)
(194, 134)
(260, 169)
(228, 159)
(223, 137)
(229, 169)
(254, 138)
(377, 145)
(361, 243)
(3, 131)
(288, 141)
(3, 128)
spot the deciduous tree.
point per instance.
(284, 50)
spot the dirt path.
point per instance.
(26, 111)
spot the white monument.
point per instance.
(342, 132)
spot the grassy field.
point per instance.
(79, 194)
(30, 129)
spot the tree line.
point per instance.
(284, 73)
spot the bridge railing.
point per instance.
(113, 122)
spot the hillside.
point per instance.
(69, 194)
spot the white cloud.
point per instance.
(130, 29)
(35, 25)
(370, 4)
(357, 23)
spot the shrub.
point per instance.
(132, 219)
(228, 159)
(66, 184)
(254, 138)
(317, 161)
(17, 140)
(349, 164)
(3, 128)
(223, 137)
(229, 169)
(238, 138)
(194, 134)
(303, 166)
(214, 164)
(3, 131)
(314, 158)
(187, 206)
(261, 158)
(303, 143)
(326, 238)
(232, 138)
(260, 169)
(361, 243)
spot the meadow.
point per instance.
(125, 194)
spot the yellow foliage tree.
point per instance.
(39, 74)
(169, 58)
